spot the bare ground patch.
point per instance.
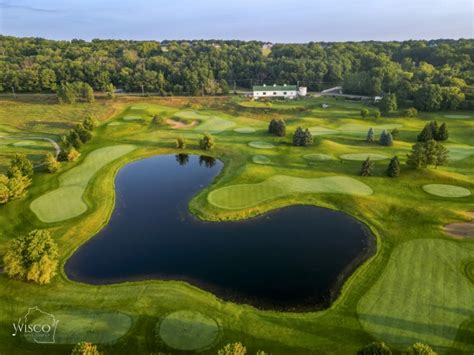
(178, 124)
(463, 229)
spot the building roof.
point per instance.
(274, 88)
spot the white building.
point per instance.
(285, 91)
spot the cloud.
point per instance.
(23, 7)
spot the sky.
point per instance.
(266, 20)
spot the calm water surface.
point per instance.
(295, 257)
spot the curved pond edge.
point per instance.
(341, 286)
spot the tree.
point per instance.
(66, 93)
(452, 98)
(426, 134)
(52, 164)
(364, 113)
(370, 135)
(421, 349)
(72, 154)
(89, 123)
(394, 167)
(308, 138)
(4, 191)
(395, 133)
(417, 157)
(376, 114)
(110, 91)
(428, 97)
(180, 143)
(84, 134)
(388, 103)
(207, 142)
(375, 348)
(74, 139)
(85, 348)
(410, 112)
(277, 127)
(443, 134)
(21, 163)
(386, 138)
(33, 257)
(367, 167)
(427, 153)
(86, 92)
(298, 137)
(17, 184)
(233, 349)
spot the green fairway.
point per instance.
(318, 157)
(132, 118)
(30, 143)
(188, 330)
(261, 159)
(215, 125)
(363, 156)
(458, 116)
(261, 145)
(249, 195)
(115, 123)
(322, 131)
(443, 190)
(470, 271)
(91, 326)
(459, 152)
(245, 130)
(66, 201)
(422, 295)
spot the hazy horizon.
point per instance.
(273, 21)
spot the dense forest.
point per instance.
(430, 75)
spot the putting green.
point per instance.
(318, 157)
(66, 201)
(261, 145)
(363, 156)
(422, 295)
(132, 118)
(215, 125)
(446, 190)
(236, 197)
(188, 330)
(459, 152)
(244, 130)
(457, 116)
(261, 159)
(191, 115)
(91, 326)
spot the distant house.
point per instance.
(285, 91)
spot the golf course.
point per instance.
(416, 285)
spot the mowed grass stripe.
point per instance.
(422, 295)
(250, 195)
(66, 201)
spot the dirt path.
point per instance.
(463, 229)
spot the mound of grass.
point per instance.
(443, 190)
(458, 116)
(245, 130)
(66, 201)
(249, 195)
(363, 156)
(132, 118)
(261, 159)
(322, 131)
(215, 125)
(261, 145)
(188, 330)
(91, 326)
(318, 157)
(422, 295)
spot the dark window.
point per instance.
(274, 93)
(264, 93)
(285, 93)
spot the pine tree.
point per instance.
(441, 154)
(417, 157)
(434, 129)
(280, 129)
(443, 134)
(426, 134)
(370, 135)
(386, 138)
(367, 167)
(308, 138)
(393, 167)
(271, 126)
(298, 137)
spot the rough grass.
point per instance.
(249, 195)
(443, 190)
(261, 145)
(245, 130)
(318, 157)
(422, 295)
(188, 330)
(91, 326)
(363, 156)
(66, 201)
(261, 159)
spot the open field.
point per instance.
(399, 296)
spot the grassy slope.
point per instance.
(399, 211)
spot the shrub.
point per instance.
(367, 167)
(386, 138)
(364, 112)
(370, 135)
(85, 348)
(375, 348)
(410, 112)
(233, 349)
(394, 167)
(22, 164)
(207, 142)
(180, 143)
(421, 349)
(302, 138)
(377, 114)
(33, 257)
(52, 164)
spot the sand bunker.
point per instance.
(462, 229)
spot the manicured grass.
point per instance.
(261, 159)
(84, 325)
(30, 143)
(261, 145)
(188, 330)
(244, 130)
(322, 131)
(459, 152)
(443, 190)
(458, 116)
(215, 125)
(318, 157)
(132, 118)
(249, 195)
(422, 294)
(470, 271)
(66, 201)
(115, 123)
(363, 156)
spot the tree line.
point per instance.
(429, 75)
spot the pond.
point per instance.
(292, 258)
